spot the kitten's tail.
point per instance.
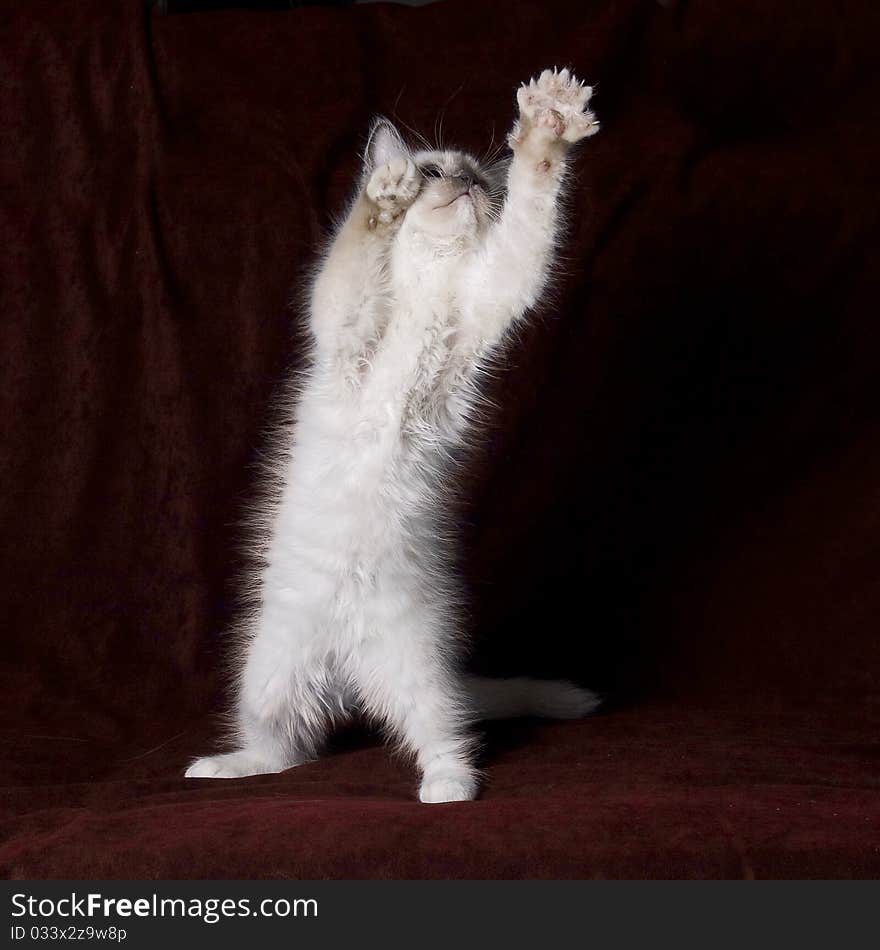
(522, 696)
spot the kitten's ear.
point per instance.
(383, 144)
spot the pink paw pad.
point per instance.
(551, 119)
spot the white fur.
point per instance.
(357, 606)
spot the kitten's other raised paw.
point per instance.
(557, 101)
(393, 187)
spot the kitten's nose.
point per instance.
(465, 178)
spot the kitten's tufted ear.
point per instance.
(383, 144)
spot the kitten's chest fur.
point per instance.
(413, 376)
(380, 419)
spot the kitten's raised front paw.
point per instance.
(393, 187)
(557, 101)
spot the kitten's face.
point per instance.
(456, 198)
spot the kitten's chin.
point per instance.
(457, 220)
(464, 197)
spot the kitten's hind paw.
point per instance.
(393, 187)
(456, 784)
(231, 765)
(557, 101)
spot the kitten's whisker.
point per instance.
(412, 132)
(438, 130)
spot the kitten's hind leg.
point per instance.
(402, 679)
(286, 702)
(427, 717)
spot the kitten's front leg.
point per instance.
(347, 295)
(553, 115)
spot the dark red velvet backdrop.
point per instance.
(679, 503)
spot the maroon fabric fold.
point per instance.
(677, 503)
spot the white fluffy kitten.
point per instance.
(357, 606)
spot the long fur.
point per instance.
(357, 604)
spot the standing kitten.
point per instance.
(358, 603)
